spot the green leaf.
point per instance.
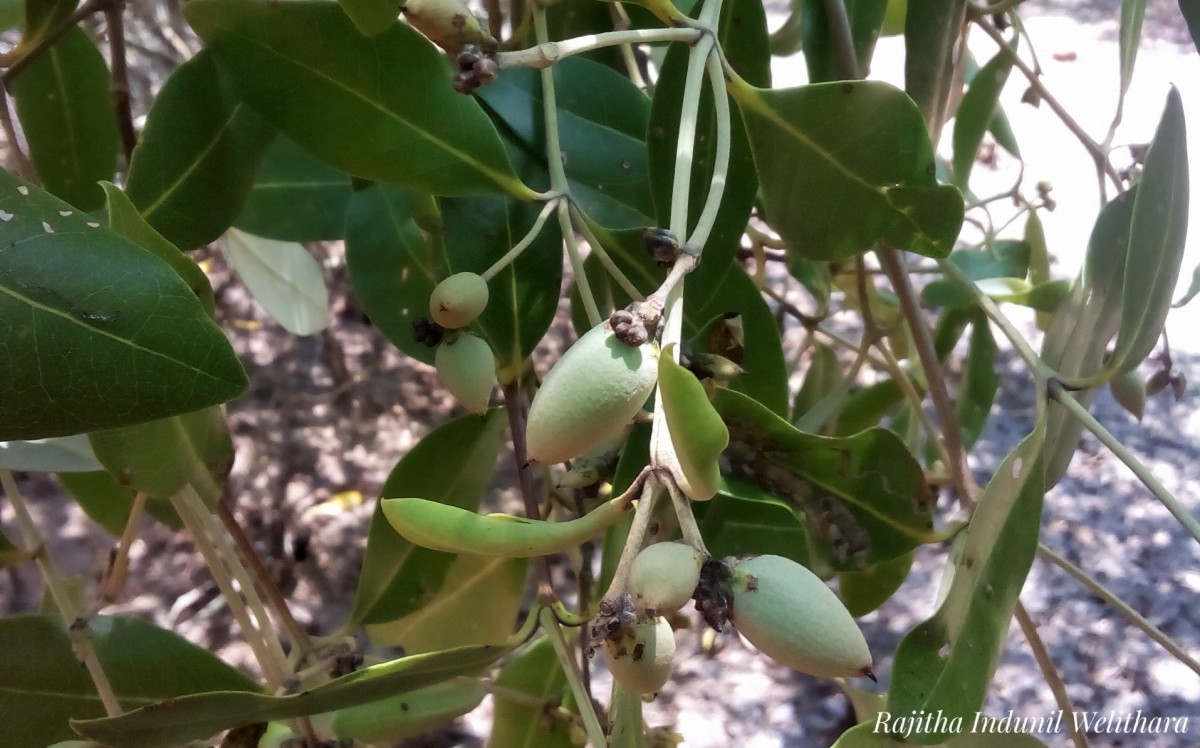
(380, 108)
(64, 454)
(1192, 291)
(864, 591)
(129, 312)
(63, 102)
(523, 297)
(1039, 260)
(602, 121)
(1191, 15)
(12, 14)
(1001, 259)
(1128, 40)
(398, 717)
(393, 264)
(745, 520)
(371, 17)
(931, 31)
(102, 497)
(161, 457)
(820, 55)
(697, 433)
(42, 680)
(283, 278)
(296, 197)
(864, 497)
(980, 381)
(977, 111)
(399, 578)
(1157, 239)
(197, 156)
(124, 218)
(846, 165)
(822, 377)
(945, 664)
(172, 723)
(989, 733)
(742, 34)
(536, 673)
(42, 17)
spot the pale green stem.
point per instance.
(1106, 438)
(522, 245)
(80, 636)
(712, 204)
(546, 53)
(685, 147)
(581, 280)
(1135, 619)
(1049, 672)
(602, 255)
(687, 520)
(633, 542)
(115, 580)
(566, 656)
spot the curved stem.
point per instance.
(114, 581)
(1049, 672)
(633, 542)
(512, 254)
(687, 520)
(566, 657)
(581, 279)
(546, 53)
(712, 204)
(686, 143)
(603, 256)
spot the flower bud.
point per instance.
(457, 301)
(664, 577)
(468, 369)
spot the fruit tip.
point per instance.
(867, 671)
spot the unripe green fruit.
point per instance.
(448, 23)
(664, 577)
(791, 616)
(468, 369)
(641, 661)
(590, 395)
(457, 301)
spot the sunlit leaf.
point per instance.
(64, 454)
(536, 673)
(744, 519)
(284, 278)
(398, 717)
(371, 17)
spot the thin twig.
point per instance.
(115, 580)
(514, 407)
(114, 13)
(1049, 672)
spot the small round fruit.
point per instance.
(457, 301)
(590, 395)
(468, 369)
(790, 615)
(664, 577)
(641, 661)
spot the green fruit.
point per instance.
(448, 23)
(468, 369)
(664, 576)
(457, 301)
(791, 616)
(641, 660)
(590, 396)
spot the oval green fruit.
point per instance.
(590, 396)
(664, 577)
(791, 616)
(458, 300)
(468, 369)
(641, 661)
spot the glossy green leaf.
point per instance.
(129, 312)
(523, 297)
(108, 503)
(864, 591)
(371, 17)
(296, 197)
(846, 165)
(399, 578)
(42, 681)
(864, 497)
(742, 34)
(1192, 291)
(63, 454)
(1157, 237)
(744, 519)
(820, 55)
(124, 218)
(63, 103)
(945, 664)
(602, 120)
(398, 717)
(381, 108)
(172, 723)
(979, 383)
(931, 32)
(697, 433)
(283, 278)
(161, 457)
(977, 111)
(197, 155)
(535, 672)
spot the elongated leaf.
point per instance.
(42, 17)
(534, 672)
(64, 454)
(129, 312)
(412, 713)
(43, 682)
(977, 111)
(931, 31)
(296, 197)
(66, 111)
(1001, 259)
(381, 108)
(1191, 15)
(602, 120)
(864, 497)
(822, 377)
(988, 566)
(744, 519)
(846, 165)
(370, 17)
(742, 34)
(393, 264)
(980, 381)
(1157, 235)
(284, 278)
(523, 297)
(1129, 39)
(174, 722)
(108, 503)
(864, 591)
(1039, 260)
(398, 578)
(197, 156)
(985, 732)
(820, 55)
